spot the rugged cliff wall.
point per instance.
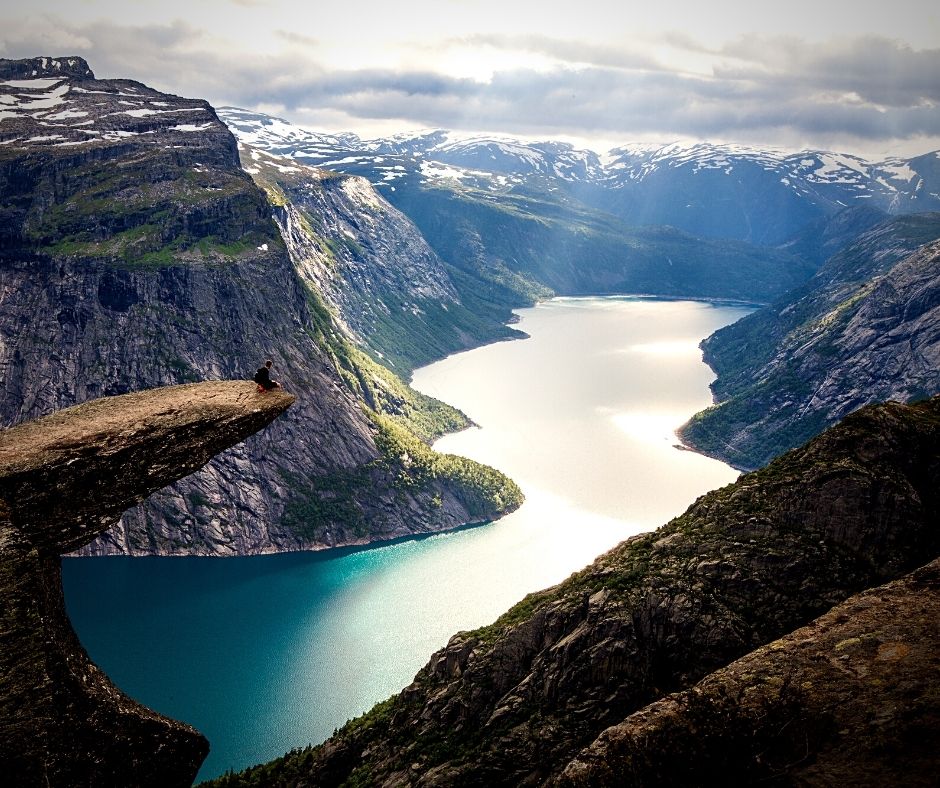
(136, 253)
(64, 479)
(374, 268)
(514, 702)
(851, 699)
(865, 329)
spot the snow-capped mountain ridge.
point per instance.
(711, 189)
(638, 161)
(509, 155)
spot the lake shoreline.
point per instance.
(581, 415)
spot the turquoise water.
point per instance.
(267, 653)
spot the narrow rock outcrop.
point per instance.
(64, 479)
(851, 699)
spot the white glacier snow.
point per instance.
(32, 84)
(192, 127)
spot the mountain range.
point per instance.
(524, 227)
(710, 190)
(147, 239)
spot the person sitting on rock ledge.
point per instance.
(263, 377)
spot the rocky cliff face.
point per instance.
(138, 253)
(513, 703)
(113, 169)
(865, 329)
(64, 479)
(851, 699)
(372, 266)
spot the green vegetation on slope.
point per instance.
(481, 489)
(379, 388)
(153, 213)
(405, 341)
(737, 352)
(406, 465)
(406, 421)
(536, 241)
(385, 393)
(773, 364)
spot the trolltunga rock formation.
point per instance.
(64, 479)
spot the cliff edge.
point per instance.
(134, 253)
(65, 479)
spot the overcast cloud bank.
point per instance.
(860, 93)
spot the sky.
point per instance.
(859, 77)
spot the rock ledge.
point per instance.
(64, 479)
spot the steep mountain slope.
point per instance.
(372, 266)
(821, 239)
(851, 699)
(514, 702)
(865, 329)
(510, 214)
(136, 253)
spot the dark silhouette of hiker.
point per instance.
(263, 377)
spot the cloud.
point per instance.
(876, 69)
(296, 38)
(574, 52)
(603, 102)
(43, 36)
(126, 51)
(768, 89)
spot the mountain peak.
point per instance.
(33, 67)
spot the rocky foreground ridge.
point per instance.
(135, 252)
(516, 703)
(850, 699)
(65, 479)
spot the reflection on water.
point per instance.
(267, 653)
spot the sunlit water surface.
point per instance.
(268, 653)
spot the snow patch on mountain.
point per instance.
(60, 110)
(266, 131)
